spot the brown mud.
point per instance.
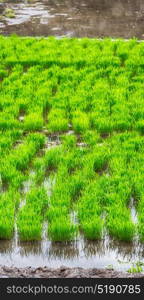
(63, 272)
(73, 18)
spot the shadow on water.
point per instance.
(73, 18)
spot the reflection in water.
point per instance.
(64, 251)
(91, 18)
(80, 253)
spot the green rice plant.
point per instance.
(99, 157)
(122, 230)
(136, 268)
(102, 124)
(92, 228)
(80, 122)
(9, 13)
(91, 138)
(119, 223)
(8, 203)
(76, 186)
(31, 216)
(57, 121)
(62, 230)
(31, 228)
(69, 142)
(33, 121)
(140, 126)
(53, 158)
(56, 212)
(8, 123)
(141, 217)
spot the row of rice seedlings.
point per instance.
(119, 223)
(90, 210)
(17, 161)
(60, 227)
(9, 202)
(8, 140)
(68, 186)
(57, 121)
(31, 216)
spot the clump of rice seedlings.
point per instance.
(31, 228)
(141, 217)
(122, 230)
(91, 138)
(57, 121)
(37, 138)
(53, 158)
(92, 228)
(8, 203)
(3, 74)
(31, 216)
(69, 142)
(9, 13)
(62, 230)
(99, 158)
(11, 176)
(33, 121)
(140, 126)
(56, 212)
(9, 123)
(119, 223)
(20, 157)
(80, 122)
(102, 124)
(39, 168)
(77, 184)
(121, 124)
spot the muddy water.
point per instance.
(73, 18)
(81, 253)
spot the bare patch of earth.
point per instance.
(63, 272)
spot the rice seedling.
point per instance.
(80, 122)
(33, 121)
(57, 121)
(62, 230)
(30, 216)
(92, 228)
(119, 223)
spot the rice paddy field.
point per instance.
(72, 141)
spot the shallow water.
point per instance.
(72, 18)
(100, 254)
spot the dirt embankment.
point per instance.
(63, 272)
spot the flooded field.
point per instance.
(72, 18)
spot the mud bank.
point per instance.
(63, 272)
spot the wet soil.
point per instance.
(63, 272)
(73, 18)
